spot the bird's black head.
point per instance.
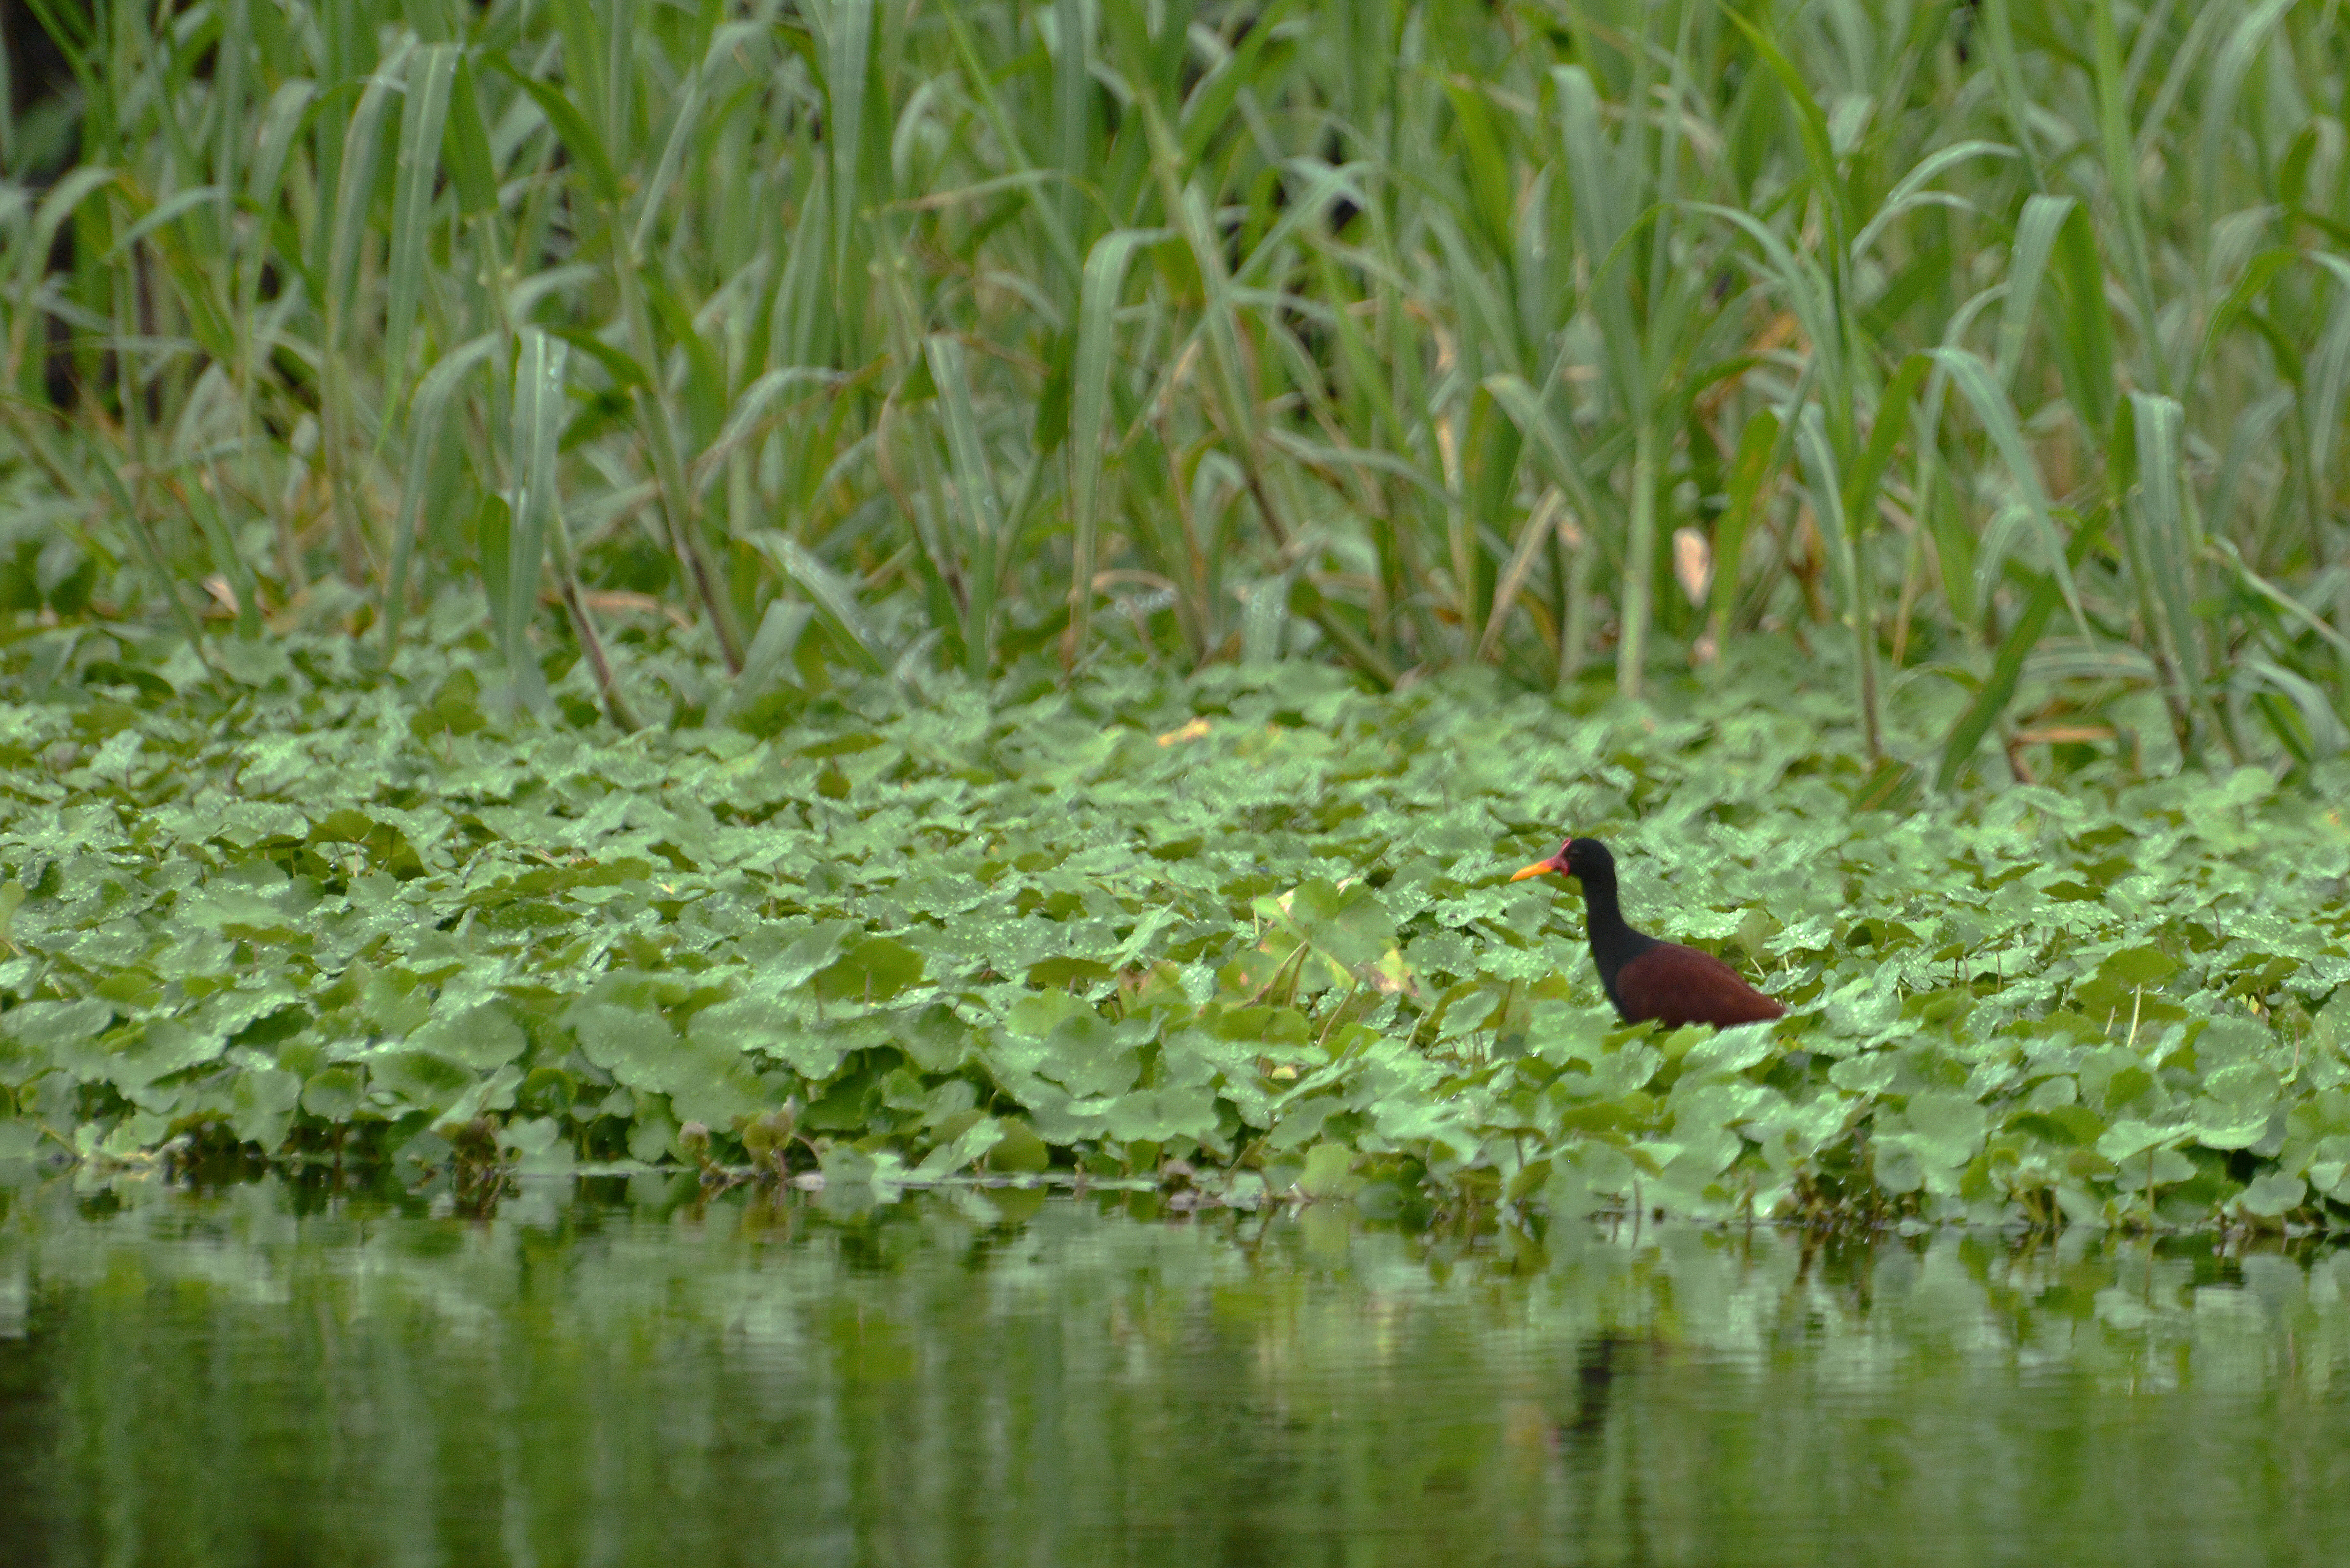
(1578, 857)
(1586, 857)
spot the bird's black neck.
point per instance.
(1614, 943)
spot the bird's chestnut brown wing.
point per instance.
(1677, 985)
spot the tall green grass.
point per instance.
(2000, 351)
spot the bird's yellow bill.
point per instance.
(1536, 870)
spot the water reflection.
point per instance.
(260, 1376)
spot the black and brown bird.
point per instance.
(1644, 977)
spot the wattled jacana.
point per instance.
(1646, 979)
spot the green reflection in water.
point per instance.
(260, 1376)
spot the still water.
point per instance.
(621, 1374)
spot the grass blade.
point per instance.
(2163, 554)
(538, 411)
(975, 499)
(1975, 383)
(1756, 463)
(2007, 668)
(831, 593)
(1105, 277)
(1540, 528)
(2027, 263)
(429, 72)
(425, 415)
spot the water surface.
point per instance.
(627, 1374)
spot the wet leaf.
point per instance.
(483, 1037)
(1329, 1172)
(1016, 1150)
(872, 969)
(1019, 934)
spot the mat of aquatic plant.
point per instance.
(641, 1371)
(1252, 925)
